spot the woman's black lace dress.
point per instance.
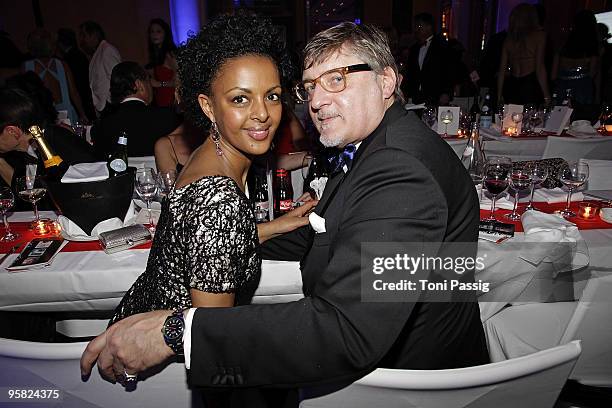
(206, 239)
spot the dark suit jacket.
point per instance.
(143, 125)
(437, 75)
(406, 185)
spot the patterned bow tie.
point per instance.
(344, 158)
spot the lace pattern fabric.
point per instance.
(206, 239)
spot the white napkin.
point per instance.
(546, 229)
(555, 195)
(84, 172)
(72, 232)
(317, 222)
(582, 129)
(606, 214)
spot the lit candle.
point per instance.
(588, 210)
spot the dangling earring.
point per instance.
(216, 137)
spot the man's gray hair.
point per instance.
(366, 41)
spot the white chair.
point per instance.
(524, 329)
(600, 174)
(55, 366)
(143, 161)
(531, 381)
(570, 148)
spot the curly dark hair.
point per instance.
(224, 38)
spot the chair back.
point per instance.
(572, 149)
(591, 323)
(30, 365)
(530, 381)
(600, 174)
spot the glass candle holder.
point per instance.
(588, 211)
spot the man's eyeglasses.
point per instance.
(333, 80)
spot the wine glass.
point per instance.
(520, 180)
(574, 175)
(429, 116)
(539, 172)
(606, 113)
(528, 110)
(31, 188)
(496, 179)
(535, 119)
(446, 118)
(516, 117)
(146, 187)
(306, 162)
(165, 180)
(7, 201)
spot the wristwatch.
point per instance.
(173, 330)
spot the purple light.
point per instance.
(357, 21)
(184, 18)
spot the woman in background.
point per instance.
(523, 51)
(162, 62)
(576, 66)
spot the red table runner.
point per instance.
(26, 235)
(582, 224)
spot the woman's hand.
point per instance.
(296, 218)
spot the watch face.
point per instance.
(173, 329)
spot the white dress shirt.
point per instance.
(423, 51)
(100, 67)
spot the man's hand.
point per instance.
(132, 344)
(294, 219)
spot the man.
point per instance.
(103, 56)
(130, 89)
(403, 184)
(79, 65)
(430, 69)
(17, 113)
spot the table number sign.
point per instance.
(513, 119)
(452, 120)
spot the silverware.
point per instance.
(10, 252)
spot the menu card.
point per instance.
(558, 119)
(37, 253)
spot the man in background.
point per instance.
(131, 91)
(103, 57)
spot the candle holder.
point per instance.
(588, 211)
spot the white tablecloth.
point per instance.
(516, 149)
(88, 281)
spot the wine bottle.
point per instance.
(473, 157)
(118, 161)
(316, 171)
(262, 205)
(55, 166)
(486, 117)
(475, 111)
(283, 196)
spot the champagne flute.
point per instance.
(520, 179)
(166, 181)
(539, 172)
(7, 201)
(31, 188)
(146, 187)
(446, 118)
(574, 175)
(517, 117)
(306, 163)
(496, 179)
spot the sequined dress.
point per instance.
(206, 239)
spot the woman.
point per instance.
(576, 66)
(205, 251)
(162, 62)
(173, 151)
(55, 74)
(523, 51)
